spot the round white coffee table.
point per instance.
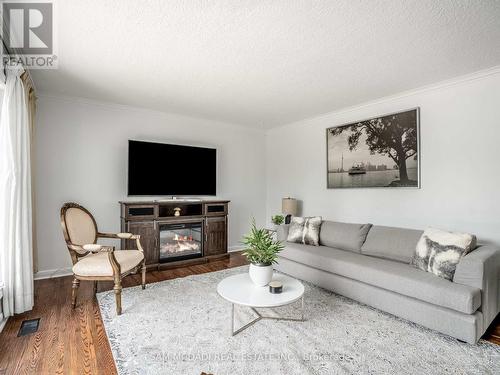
(240, 290)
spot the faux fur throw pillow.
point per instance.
(439, 251)
(305, 230)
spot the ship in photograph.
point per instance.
(357, 169)
(383, 152)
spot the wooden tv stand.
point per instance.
(155, 221)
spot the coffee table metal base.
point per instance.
(260, 316)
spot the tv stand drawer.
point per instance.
(215, 209)
(145, 211)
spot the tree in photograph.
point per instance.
(394, 136)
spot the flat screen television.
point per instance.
(166, 169)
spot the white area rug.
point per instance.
(182, 326)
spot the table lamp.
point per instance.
(289, 208)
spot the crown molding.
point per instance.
(482, 74)
(463, 79)
(125, 107)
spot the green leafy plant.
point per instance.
(278, 219)
(262, 248)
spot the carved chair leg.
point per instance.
(143, 270)
(118, 296)
(95, 287)
(74, 289)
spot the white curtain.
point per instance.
(16, 259)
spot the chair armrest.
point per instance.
(282, 232)
(77, 248)
(123, 236)
(481, 269)
(96, 248)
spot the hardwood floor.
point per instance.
(493, 333)
(74, 341)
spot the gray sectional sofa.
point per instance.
(370, 264)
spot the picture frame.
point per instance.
(382, 151)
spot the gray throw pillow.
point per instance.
(439, 252)
(305, 230)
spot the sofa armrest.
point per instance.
(481, 269)
(282, 232)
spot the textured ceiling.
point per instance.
(265, 63)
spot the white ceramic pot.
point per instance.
(261, 275)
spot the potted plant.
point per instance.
(277, 219)
(262, 251)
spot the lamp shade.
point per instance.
(289, 206)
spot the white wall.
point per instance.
(81, 153)
(81, 156)
(460, 162)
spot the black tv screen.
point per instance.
(164, 169)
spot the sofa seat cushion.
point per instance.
(387, 274)
(99, 265)
(345, 236)
(391, 243)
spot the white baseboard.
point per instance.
(231, 249)
(48, 274)
(3, 322)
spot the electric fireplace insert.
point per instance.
(180, 241)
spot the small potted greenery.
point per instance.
(262, 251)
(277, 219)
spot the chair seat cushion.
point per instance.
(387, 274)
(99, 265)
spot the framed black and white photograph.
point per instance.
(378, 152)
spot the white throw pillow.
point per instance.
(305, 230)
(440, 251)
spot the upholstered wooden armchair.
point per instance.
(95, 262)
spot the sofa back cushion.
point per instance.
(391, 243)
(344, 236)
